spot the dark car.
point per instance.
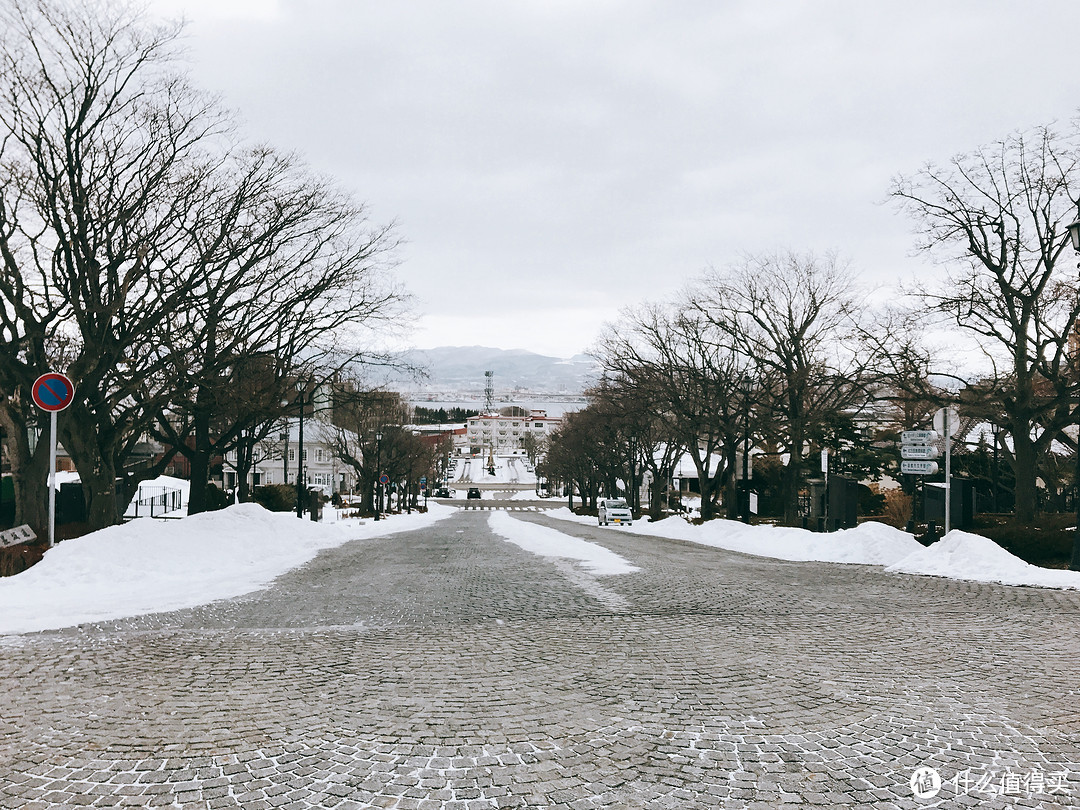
(443, 492)
(473, 493)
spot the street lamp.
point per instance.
(1074, 565)
(746, 455)
(283, 437)
(301, 387)
(378, 474)
(1074, 229)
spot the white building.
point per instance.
(276, 460)
(493, 431)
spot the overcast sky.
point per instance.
(549, 162)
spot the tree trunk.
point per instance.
(244, 451)
(792, 480)
(656, 494)
(731, 481)
(706, 486)
(1024, 465)
(30, 475)
(97, 472)
(199, 462)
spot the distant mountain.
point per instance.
(461, 368)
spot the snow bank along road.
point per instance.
(501, 659)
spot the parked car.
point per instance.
(614, 510)
(473, 493)
(443, 492)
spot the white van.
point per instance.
(614, 510)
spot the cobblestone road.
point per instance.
(446, 668)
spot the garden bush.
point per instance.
(276, 497)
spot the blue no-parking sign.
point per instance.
(52, 392)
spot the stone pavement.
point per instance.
(446, 668)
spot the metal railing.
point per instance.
(156, 502)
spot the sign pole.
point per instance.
(52, 479)
(52, 392)
(948, 470)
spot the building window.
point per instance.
(292, 454)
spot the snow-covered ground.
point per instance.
(147, 566)
(508, 470)
(958, 555)
(550, 543)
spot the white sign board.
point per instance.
(753, 503)
(13, 537)
(918, 451)
(919, 436)
(918, 467)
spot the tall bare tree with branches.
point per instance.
(792, 316)
(995, 220)
(134, 231)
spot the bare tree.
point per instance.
(98, 141)
(693, 375)
(282, 267)
(629, 397)
(362, 415)
(995, 219)
(169, 258)
(793, 316)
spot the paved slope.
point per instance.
(448, 668)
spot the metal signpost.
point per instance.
(384, 479)
(918, 451)
(946, 420)
(52, 393)
(825, 472)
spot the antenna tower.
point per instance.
(489, 390)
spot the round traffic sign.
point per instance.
(384, 479)
(52, 392)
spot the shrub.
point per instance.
(896, 510)
(276, 497)
(215, 498)
(871, 500)
(1048, 543)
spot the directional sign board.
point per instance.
(918, 451)
(52, 392)
(919, 436)
(918, 467)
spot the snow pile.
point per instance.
(960, 555)
(547, 542)
(148, 566)
(868, 544)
